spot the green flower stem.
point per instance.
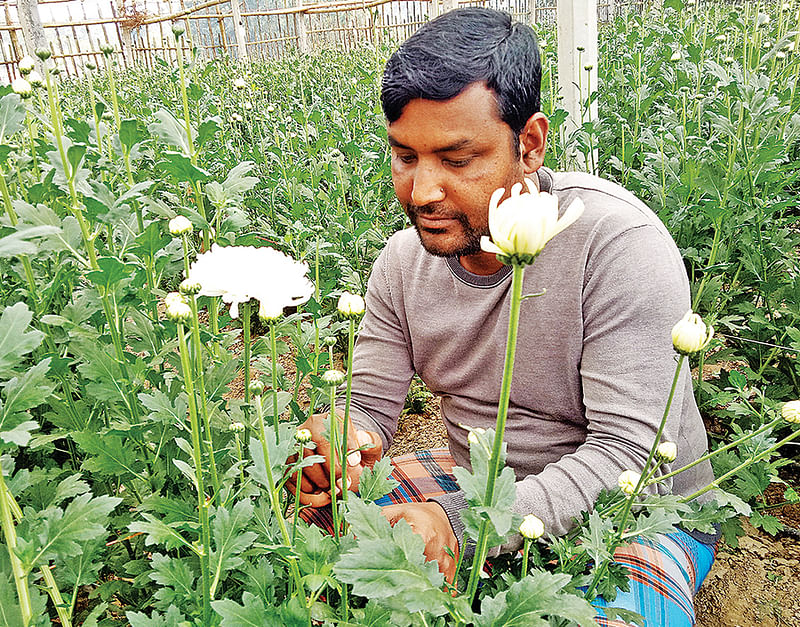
(716, 452)
(334, 442)
(348, 388)
(246, 357)
(205, 531)
(10, 536)
(26, 262)
(647, 472)
(33, 145)
(502, 413)
(201, 383)
(114, 324)
(273, 344)
(63, 610)
(757, 458)
(526, 547)
(93, 105)
(240, 457)
(75, 208)
(274, 497)
(298, 478)
(112, 86)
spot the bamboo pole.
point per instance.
(238, 29)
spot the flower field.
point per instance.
(144, 214)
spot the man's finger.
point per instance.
(314, 499)
(315, 473)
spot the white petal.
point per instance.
(573, 212)
(488, 246)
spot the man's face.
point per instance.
(447, 159)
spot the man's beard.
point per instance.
(471, 237)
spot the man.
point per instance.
(594, 358)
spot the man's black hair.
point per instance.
(462, 47)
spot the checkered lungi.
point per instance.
(665, 573)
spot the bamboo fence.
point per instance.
(240, 29)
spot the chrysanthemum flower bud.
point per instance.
(786, 6)
(270, 109)
(236, 117)
(472, 437)
(26, 65)
(22, 87)
(720, 38)
(729, 60)
(180, 225)
(239, 83)
(350, 305)
(676, 56)
(236, 427)
(333, 378)
(178, 29)
(627, 481)
(690, 334)
(189, 287)
(256, 387)
(303, 436)
(330, 340)
(588, 68)
(107, 116)
(780, 55)
(790, 412)
(269, 312)
(35, 79)
(44, 53)
(531, 527)
(248, 106)
(107, 49)
(177, 308)
(763, 19)
(667, 452)
(91, 66)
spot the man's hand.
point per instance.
(315, 486)
(429, 521)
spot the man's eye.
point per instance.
(458, 163)
(406, 158)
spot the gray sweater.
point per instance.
(594, 358)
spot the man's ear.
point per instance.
(533, 142)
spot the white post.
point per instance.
(449, 5)
(577, 68)
(32, 29)
(238, 27)
(300, 27)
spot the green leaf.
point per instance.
(173, 618)
(377, 481)
(151, 240)
(108, 455)
(767, 522)
(12, 115)
(180, 166)
(593, 537)
(75, 154)
(391, 568)
(208, 128)
(528, 601)
(129, 133)
(317, 554)
(278, 448)
(15, 340)
(21, 394)
(157, 532)
(235, 185)
(251, 613)
(111, 272)
(19, 242)
(230, 539)
(175, 580)
(58, 534)
(170, 131)
(163, 409)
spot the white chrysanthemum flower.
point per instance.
(21, 87)
(690, 334)
(627, 481)
(303, 436)
(667, 451)
(239, 83)
(35, 79)
(350, 304)
(239, 273)
(333, 378)
(26, 64)
(180, 225)
(177, 308)
(531, 527)
(524, 222)
(676, 56)
(790, 412)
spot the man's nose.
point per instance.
(428, 187)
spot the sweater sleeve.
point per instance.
(382, 365)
